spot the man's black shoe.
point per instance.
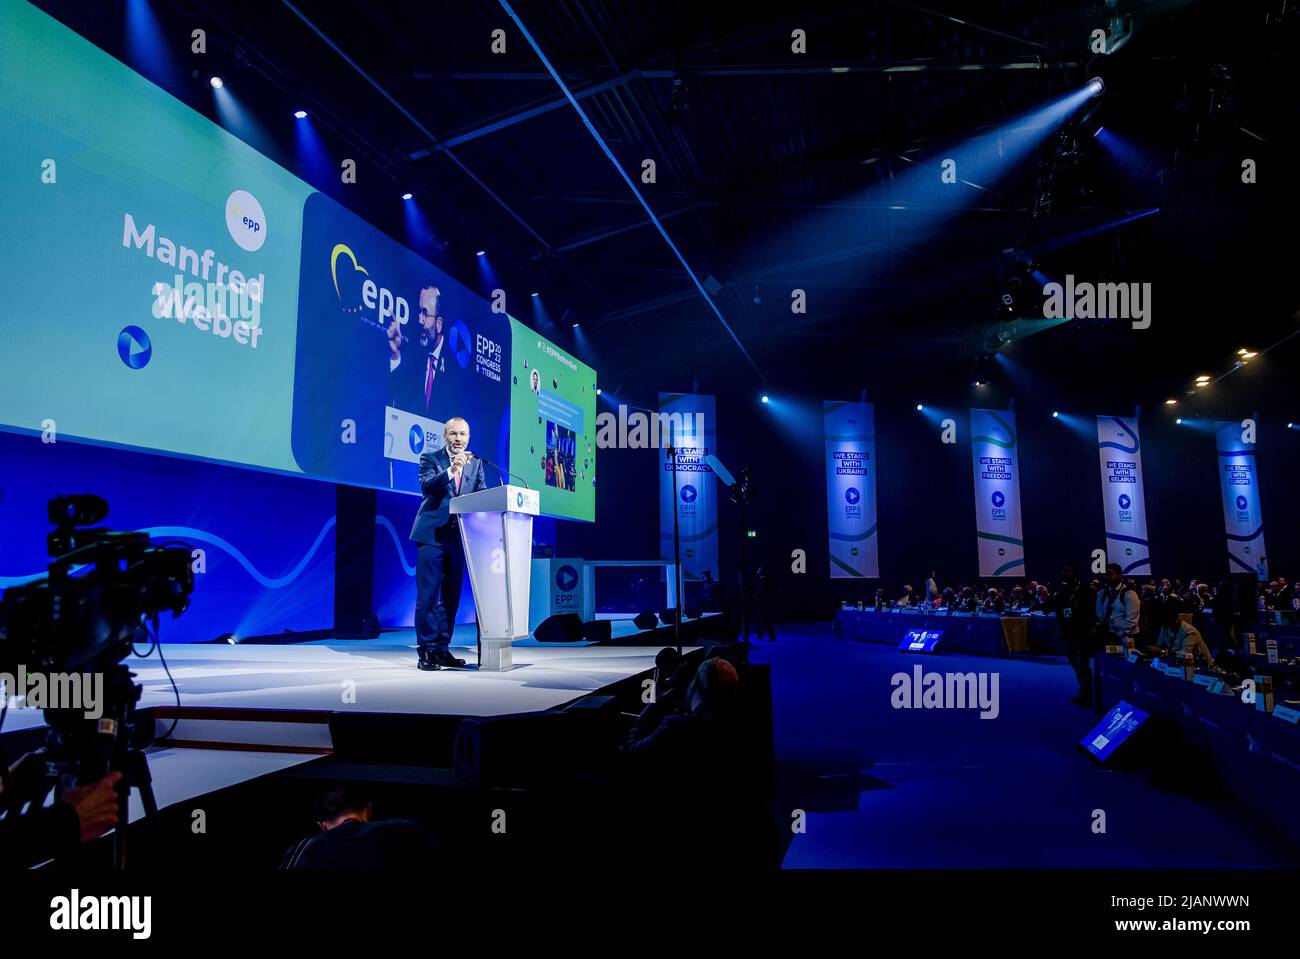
(427, 660)
(443, 657)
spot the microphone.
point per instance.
(502, 469)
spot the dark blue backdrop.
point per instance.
(268, 538)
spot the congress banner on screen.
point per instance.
(1243, 521)
(1123, 502)
(850, 431)
(688, 420)
(994, 453)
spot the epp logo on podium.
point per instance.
(519, 499)
(566, 578)
(134, 347)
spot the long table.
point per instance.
(1256, 754)
(984, 635)
(1287, 635)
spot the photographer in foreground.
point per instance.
(79, 814)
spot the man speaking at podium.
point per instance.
(448, 471)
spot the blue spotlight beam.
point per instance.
(505, 5)
(924, 204)
(417, 124)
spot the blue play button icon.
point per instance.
(134, 347)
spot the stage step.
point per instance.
(265, 730)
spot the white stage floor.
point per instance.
(298, 685)
(371, 676)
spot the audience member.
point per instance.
(350, 837)
(1177, 635)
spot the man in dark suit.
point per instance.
(446, 472)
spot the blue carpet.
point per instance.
(943, 788)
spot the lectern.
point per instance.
(496, 528)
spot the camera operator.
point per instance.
(79, 814)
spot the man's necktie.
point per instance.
(458, 484)
(428, 381)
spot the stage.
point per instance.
(249, 710)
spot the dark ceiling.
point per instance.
(779, 171)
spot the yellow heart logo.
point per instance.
(341, 249)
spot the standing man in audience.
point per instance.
(1073, 605)
(1118, 608)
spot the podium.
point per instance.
(496, 529)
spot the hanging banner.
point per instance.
(1123, 502)
(850, 431)
(688, 420)
(997, 493)
(1243, 521)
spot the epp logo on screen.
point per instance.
(460, 343)
(1241, 502)
(688, 494)
(566, 578)
(1124, 501)
(245, 220)
(416, 439)
(999, 500)
(852, 495)
(134, 347)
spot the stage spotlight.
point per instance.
(217, 83)
(481, 253)
(1179, 421)
(1290, 426)
(535, 295)
(408, 196)
(1056, 415)
(598, 391)
(765, 398)
(920, 407)
(300, 114)
(1096, 87)
(1171, 402)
